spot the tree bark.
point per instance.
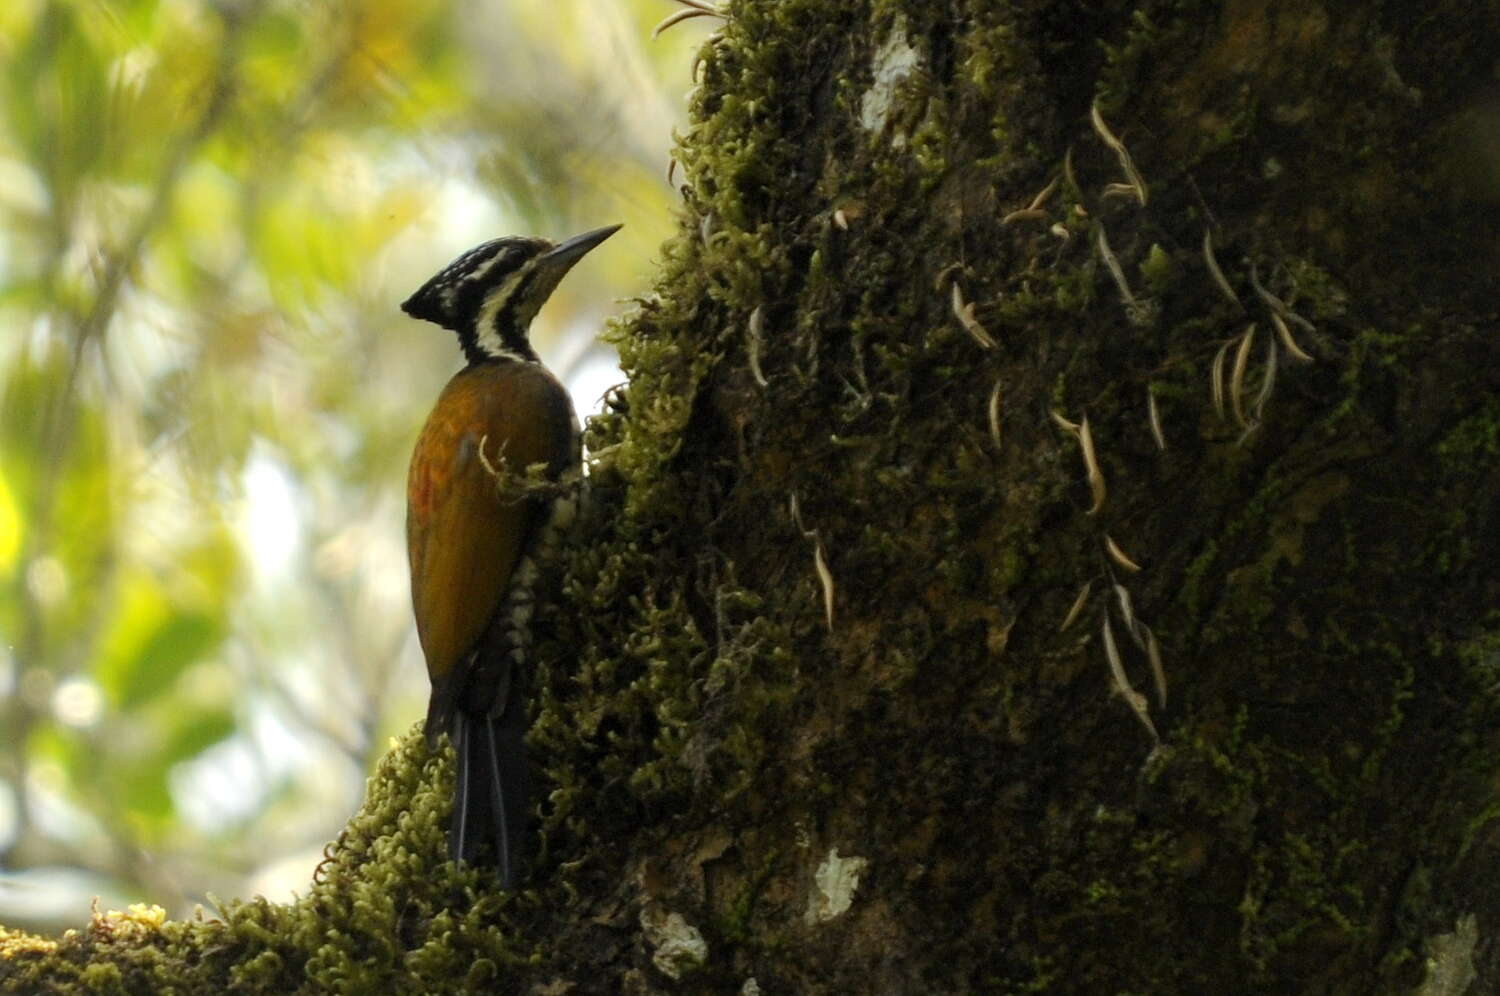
(1046, 543)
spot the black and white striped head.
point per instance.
(490, 294)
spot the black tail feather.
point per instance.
(460, 847)
(492, 792)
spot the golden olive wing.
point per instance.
(464, 536)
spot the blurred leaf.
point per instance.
(302, 251)
(172, 648)
(213, 565)
(85, 516)
(136, 16)
(150, 643)
(140, 609)
(10, 525)
(57, 745)
(145, 795)
(27, 392)
(202, 238)
(56, 101)
(14, 17)
(276, 51)
(73, 490)
(197, 733)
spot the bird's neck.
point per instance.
(493, 342)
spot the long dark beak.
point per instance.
(562, 256)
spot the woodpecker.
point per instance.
(475, 546)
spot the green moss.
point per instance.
(1481, 658)
(385, 914)
(1158, 271)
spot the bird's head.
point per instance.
(490, 294)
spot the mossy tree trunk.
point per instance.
(808, 711)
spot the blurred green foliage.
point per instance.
(208, 213)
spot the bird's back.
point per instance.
(466, 531)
